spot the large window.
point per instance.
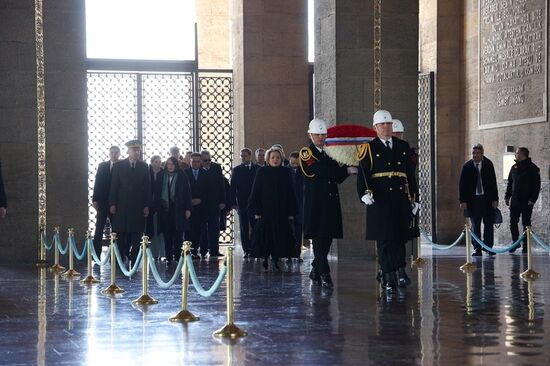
(140, 29)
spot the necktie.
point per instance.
(195, 173)
(133, 164)
(479, 187)
(388, 144)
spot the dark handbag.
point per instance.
(498, 217)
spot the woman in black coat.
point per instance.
(273, 204)
(173, 204)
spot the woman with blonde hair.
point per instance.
(274, 206)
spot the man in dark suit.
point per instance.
(387, 184)
(197, 178)
(100, 196)
(298, 181)
(129, 199)
(3, 199)
(214, 201)
(322, 211)
(242, 179)
(478, 195)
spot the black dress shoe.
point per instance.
(524, 249)
(477, 253)
(264, 263)
(315, 277)
(275, 263)
(403, 279)
(391, 282)
(326, 281)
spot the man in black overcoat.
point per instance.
(197, 181)
(100, 196)
(129, 200)
(387, 173)
(522, 192)
(298, 182)
(479, 195)
(322, 211)
(242, 179)
(214, 201)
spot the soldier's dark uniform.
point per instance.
(322, 212)
(389, 174)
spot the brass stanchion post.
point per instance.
(41, 261)
(113, 288)
(71, 271)
(144, 299)
(529, 274)
(184, 315)
(419, 261)
(230, 330)
(468, 267)
(56, 267)
(90, 279)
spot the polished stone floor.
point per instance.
(444, 318)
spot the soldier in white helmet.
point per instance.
(322, 212)
(387, 172)
(398, 129)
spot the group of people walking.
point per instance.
(282, 203)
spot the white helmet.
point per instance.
(381, 116)
(317, 126)
(398, 126)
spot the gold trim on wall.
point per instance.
(41, 114)
(377, 51)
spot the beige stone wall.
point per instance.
(269, 54)
(534, 136)
(66, 129)
(449, 47)
(214, 33)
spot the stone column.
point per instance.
(344, 83)
(214, 31)
(270, 73)
(66, 130)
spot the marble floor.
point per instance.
(489, 317)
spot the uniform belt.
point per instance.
(389, 175)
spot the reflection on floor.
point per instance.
(445, 317)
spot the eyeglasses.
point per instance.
(205, 160)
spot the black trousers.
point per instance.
(245, 224)
(210, 234)
(196, 223)
(391, 255)
(297, 227)
(173, 238)
(482, 210)
(101, 218)
(321, 248)
(525, 211)
(129, 244)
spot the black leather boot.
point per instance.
(403, 280)
(391, 282)
(326, 281)
(315, 277)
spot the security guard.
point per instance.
(322, 212)
(387, 184)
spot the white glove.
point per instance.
(367, 198)
(415, 207)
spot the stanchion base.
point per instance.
(468, 267)
(184, 316)
(89, 280)
(57, 268)
(230, 331)
(112, 289)
(41, 263)
(145, 299)
(70, 273)
(419, 262)
(530, 275)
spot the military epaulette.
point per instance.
(307, 158)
